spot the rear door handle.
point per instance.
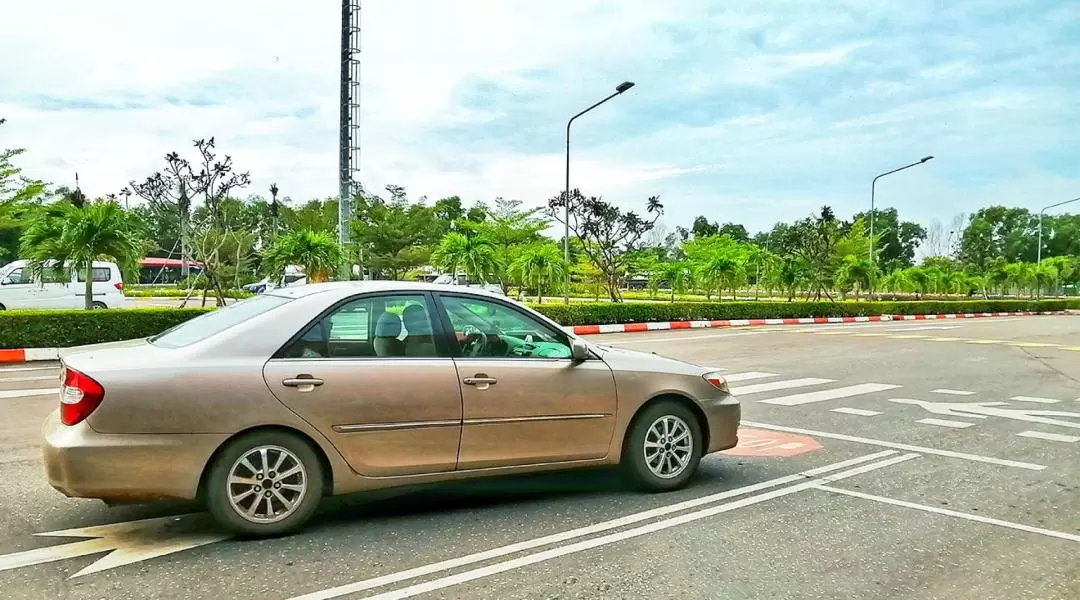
(302, 383)
(480, 381)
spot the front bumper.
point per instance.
(123, 468)
(724, 414)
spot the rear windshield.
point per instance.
(215, 322)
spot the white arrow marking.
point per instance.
(129, 542)
(981, 410)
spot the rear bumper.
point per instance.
(82, 463)
(724, 414)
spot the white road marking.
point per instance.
(952, 392)
(748, 376)
(684, 338)
(25, 393)
(952, 513)
(453, 563)
(924, 328)
(785, 384)
(994, 409)
(31, 378)
(822, 395)
(19, 369)
(538, 557)
(856, 411)
(127, 543)
(1053, 437)
(898, 446)
(1034, 399)
(945, 423)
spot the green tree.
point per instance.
(317, 252)
(895, 240)
(76, 236)
(473, 255)
(541, 267)
(394, 236)
(999, 232)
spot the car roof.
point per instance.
(345, 288)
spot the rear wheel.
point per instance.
(98, 305)
(663, 447)
(264, 483)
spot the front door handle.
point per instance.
(480, 381)
(303, 383)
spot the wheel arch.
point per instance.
(324, 460)
(693, 407)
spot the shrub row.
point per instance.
(62, 328)
(178, 293)
(603, 313)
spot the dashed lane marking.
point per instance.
(779, 385)
(856, 411)
(33, 378)
(1034, 399)
(945, 423)
(24, 393)
(1053, 437)
(747, 376)
(822, 395)
(952, 392)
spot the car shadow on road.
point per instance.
(522, 491)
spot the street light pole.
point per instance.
(873, 187)
(619, 89)
(1038, 261)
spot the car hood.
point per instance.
(621, 359)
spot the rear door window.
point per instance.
(213, 323)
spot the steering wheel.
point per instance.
(475, 341)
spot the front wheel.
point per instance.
(265, 483)
(98, 306)
(663, 447)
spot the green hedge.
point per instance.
(603, 313)
(178, 293)
(62, 328)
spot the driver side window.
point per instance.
(484, 328)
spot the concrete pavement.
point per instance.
(946, 465)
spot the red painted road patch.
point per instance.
(760, 442)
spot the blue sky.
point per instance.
(743, 111)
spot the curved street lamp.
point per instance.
(1038, 261)
(619, 89)
(873, 187)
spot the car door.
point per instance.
(347, 373)
(20, 289)
(524, 400)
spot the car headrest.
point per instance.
(388, 325)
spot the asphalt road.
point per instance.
(930, 459)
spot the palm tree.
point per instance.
(475, 255)
(75, 236)
(676, 274)
(316, 251)
(857, 272)
(722, 270)
(540, 266)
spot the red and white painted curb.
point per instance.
(663, 326)
(19, 355)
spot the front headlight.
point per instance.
(717, 380)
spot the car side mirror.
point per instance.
(579, 350)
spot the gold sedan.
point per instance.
(262, 408)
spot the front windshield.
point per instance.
(213, 323)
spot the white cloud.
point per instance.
(752, 112)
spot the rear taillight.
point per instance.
(79, 396)
(119, 285)
(717, 381)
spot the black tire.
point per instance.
(98, 306)
(216, 489)
(633, 460)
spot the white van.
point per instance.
(22, 287)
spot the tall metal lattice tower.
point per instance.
(349, 133)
